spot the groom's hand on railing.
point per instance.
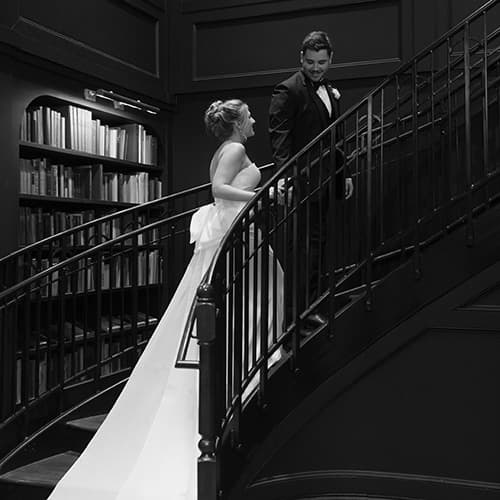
(279, 193)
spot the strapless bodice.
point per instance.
(247, 178)
(210, 223)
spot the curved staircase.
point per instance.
(397, 396)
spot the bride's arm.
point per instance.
(230, 163)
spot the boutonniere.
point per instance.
(334, 91)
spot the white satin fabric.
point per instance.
(147, 446)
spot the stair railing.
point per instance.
(31, 259)
(85, 304)
(40, 255)
(423, 150)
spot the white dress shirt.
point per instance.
(323, 95)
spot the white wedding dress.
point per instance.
(146, 449)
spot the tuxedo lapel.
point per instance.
(320, 107)
(333, 102)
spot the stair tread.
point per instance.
(45, 472)
(87, 423)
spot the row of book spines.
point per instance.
(37, 224)
(34, 225)
(44, 125)
(138, 188)
(112, 275)
(80, 331)
(74, 128)
(39, 177)
(74, 363)
(47, 370)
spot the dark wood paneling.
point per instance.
(489, 297)
(407, 415)
(116, 41)
(396, 423)
(9, 186)
(430, 20)
(114, 30)
(203, 5)
(461, 9)
(9, 13)
(257, 46)
(157, 4)
(197, 5)
(221, 39)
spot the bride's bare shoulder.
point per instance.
(233, 149)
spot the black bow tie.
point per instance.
(317, 85)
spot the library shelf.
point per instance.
(75, 157)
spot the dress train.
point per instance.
(147, 446)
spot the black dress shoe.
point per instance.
(316, 320)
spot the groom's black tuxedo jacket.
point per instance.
(296, 116)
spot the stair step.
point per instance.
(90, 424)
(46, 472)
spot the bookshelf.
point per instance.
(114, 332)
(77, 163)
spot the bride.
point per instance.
(147, 446)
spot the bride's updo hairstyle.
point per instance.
(222, 116)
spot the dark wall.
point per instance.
(118, 41)
(418, 415)
(242, 48)
(413, 416)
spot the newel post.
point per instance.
(207, 464)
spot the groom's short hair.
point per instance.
(317, 40)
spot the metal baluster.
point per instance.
(229, 326)
(26, 372)
(434, 174)
(468, 147)
(207, 461)
(98, 314)
(234, 329)
(149, 271)
(285, 235)
(263, 251)
(486, 121)
(416, 172)
(369, 206)
(381, 160)
(296, 263)
(61, 314)
(304, 214)
(245, 271)
(357, 192)
(332, 233)
(84, 288)
(134, 290)
(448, 196)
(254, 235)
(278, 301)
(400, 176)
(36, 331)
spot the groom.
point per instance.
(301, 108)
